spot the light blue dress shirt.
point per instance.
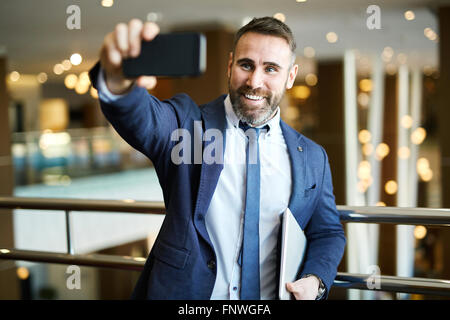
(225, 216)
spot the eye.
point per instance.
(246, 66)
(271, 69)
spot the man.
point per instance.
(219, 238)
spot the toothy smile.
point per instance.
(255, 98)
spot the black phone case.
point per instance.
(169, 55)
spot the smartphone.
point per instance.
(169, 55)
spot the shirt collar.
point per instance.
(274, 123)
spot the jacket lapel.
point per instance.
(297, 150)
(213, 116)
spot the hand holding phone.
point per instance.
(122, 43)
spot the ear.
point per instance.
(291, 77)
(230, 63)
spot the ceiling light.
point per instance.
(280, 16)
(309, 52)
(409, 15)
(22, 273)
(81, 88)
(301, 92)
(364, 136)
(381, 151)
(427, 176)
(406, 121)
(422, 165)
(14, 76)
(42, 77)
(84, 78)
(391, 187)
(311, 79)
(363, 99)
(332, 37)
(94, 94)
(420, 232)
(107, 3)
(387, 54)
(70, 81)
(403, 152)
(418, 135)
(365, 85)
(66, 65)
(364, 170)
(76, 59)
(367, 149)
(430, 34)
(58, 68)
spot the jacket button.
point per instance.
(211, 264)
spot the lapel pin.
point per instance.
(299, 148)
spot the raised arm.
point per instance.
(145, 122)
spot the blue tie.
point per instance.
(249, 258)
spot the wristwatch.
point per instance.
(321, 285)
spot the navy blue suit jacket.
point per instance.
(181, 264)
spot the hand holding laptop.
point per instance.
(293, 248)
(304, 289)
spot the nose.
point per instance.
(255, 79)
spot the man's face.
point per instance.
(258, 75)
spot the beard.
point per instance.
(252, 115)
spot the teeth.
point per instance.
(248, 96)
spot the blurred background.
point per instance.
(372, 88)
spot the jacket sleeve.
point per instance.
(325, 234)
(142, 120)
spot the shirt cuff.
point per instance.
(103, 91)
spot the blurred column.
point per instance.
(443, 123)
(375, 127)
(386, 254)
(8, 280)
(358, 257)
(405, 233)
(330, 129)
(416, 111)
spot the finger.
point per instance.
(146, 82)
(150, 31)
(296, 289)
(112, 53)
(121, 38)
(289, 287)
(134, 37)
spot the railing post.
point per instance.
(68, 234)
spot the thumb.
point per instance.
(146, 82)
(290, 286)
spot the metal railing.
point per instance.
(406, 216)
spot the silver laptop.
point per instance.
(293, 247)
